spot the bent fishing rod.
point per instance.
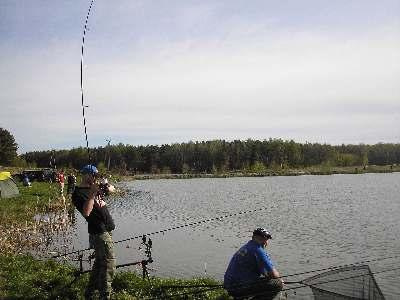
(82, 98)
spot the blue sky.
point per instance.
(173, 71)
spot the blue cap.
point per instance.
(89, 169)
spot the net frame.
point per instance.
(351, 282)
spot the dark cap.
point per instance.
(263, 233)
(89, 169)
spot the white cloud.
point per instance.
(304, 71)
(253, 82)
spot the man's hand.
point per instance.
(98, 203)
(283, 282)
(111, 188)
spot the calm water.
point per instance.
(316, 222)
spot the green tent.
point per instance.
(8, 188)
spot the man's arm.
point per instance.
(274, 274)
(88, 204)
(267, 267)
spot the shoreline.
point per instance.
(268, 173)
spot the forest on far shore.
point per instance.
(218, 156)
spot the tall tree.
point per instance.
(8, 147)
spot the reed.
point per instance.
(29, 222)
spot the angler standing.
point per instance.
(251, 271)
(88, 198)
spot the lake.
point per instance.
(316, 222)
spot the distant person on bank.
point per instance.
(60, 179)
(89, 200)
(71, 180)
(251, 271)
(25, 181)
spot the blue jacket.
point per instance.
(247, 265)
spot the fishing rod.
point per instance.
(218, 218)
(173, 228)
(331, 268)
(343, 266)
(148, 243)
(212, 287)
(82, 100)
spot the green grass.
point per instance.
(38, 197)
(24, 277)
(27, 278)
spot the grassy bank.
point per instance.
(21, 231)
(27, 278)
(40, 196)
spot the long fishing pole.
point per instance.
(174, 228)
(212, 287)
(83, 103)
(332, 268)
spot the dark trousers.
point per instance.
(260, 289)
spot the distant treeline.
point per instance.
(219, 156)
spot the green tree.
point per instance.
(258, 167)
(8, 147)
(19, 162)
(294, 154)
(219, 156)
(347, 159)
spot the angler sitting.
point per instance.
(251, 272)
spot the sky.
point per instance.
(168, 71)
